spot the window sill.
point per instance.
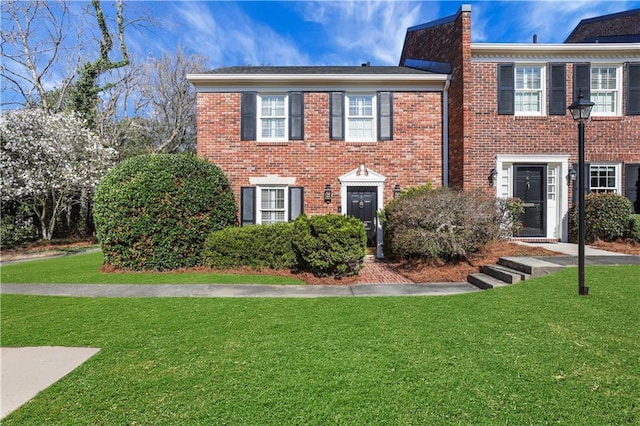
(607, 118)
(361, 143)
(272, 143)
(530, 117)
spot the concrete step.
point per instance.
(508, 275)
(484, 281)
(529, 265)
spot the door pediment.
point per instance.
(362, 176)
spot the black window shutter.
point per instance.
(581, 81)
(296, 202)
(296, 116)
(506, 93)
(633, 89)
(248, 116)
(587, 180)
(336, 112)
(247, 205)
(385, 116)
(632, 186)
(557, 89)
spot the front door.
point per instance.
(363, 204)
(530, 187)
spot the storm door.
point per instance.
(363, 203)
(530, 186)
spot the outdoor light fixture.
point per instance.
(396, 191)
(580, 110)
(493, 177)
(571, 177)
(327, 193)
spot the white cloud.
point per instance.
(364, 30)
(229, 37)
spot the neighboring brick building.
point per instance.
(508, 115)
(322, 139)
(623, 27)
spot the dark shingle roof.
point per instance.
(345, 70)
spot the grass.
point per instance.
(85, 269)
(532, 353)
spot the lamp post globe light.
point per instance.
(580, 111)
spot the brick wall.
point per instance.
(413, 157)
(607, 139)
(621, 25)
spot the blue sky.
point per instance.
(342, 32)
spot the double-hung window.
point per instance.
(272, 204)
(604, 178)
(361, 123)
(605, 90)
(529, 90)
(272, 117)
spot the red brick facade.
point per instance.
(413, 157)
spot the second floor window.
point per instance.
(605, 90)
(272, 119)
(529, 95)
(360, 117)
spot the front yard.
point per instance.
(535, 352)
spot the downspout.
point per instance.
(445, 132)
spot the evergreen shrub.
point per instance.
(329, 245)
(257, 246)
(154, 212)
(607, 217)
(439, 224)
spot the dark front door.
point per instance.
(363, 204)
(531, 187)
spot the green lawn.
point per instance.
(85, 269)
(532, 353)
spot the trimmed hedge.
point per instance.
(634, 228)
(259, 246)
(329, 245)
(607, 217)
(154, 212)
(440, 224)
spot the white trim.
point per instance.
(617, 171)
(617, 90)
(273, 180)
(362, 176)
(565, 52)
(348, 118)
(259, 118)
(259, 189)
(542, 90)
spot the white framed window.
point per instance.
(605, 90)
(605, 178)
(529, 90)
(552, 183)
(361, 113)
(272, 204)
(272, 117)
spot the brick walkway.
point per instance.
(375, 272)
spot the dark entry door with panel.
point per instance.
(530, 186)
(363, 204)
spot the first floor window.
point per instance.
(360, 117)
(272, 205)
(273, 117)
(605, 90)
(604, 178)
(529, 95)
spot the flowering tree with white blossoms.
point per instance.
(46, 158)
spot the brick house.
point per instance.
(482, 117)
(510, 133)
(323, 139)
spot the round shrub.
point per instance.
(607, 217)
(329, 245)
(439, 224)
(154, 212)
(257, 246)
(633, 231)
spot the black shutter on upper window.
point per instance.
(336, 115)
(248, 111)
(632, 186)
(247, 205)
(296, 116)
(633, 88)
(506, 93)
(296, 202)
(557, 89)
(581, 81)
(385, 116)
